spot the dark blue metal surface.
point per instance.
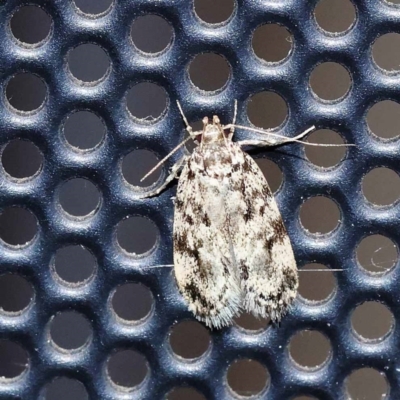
(97, 233)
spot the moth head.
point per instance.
(212, 132)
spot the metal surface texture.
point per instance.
(97, 232)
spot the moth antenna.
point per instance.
(321, 270)
(295, 139)
(301, 270)
(166, 158)
(232, 130)
(190, 131)
(188, 127)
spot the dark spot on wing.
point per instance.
(206, 220)
(236, 167)
(290, 278)
(246, 166)
(192, 290)
(268, 244)
(279, 229)
(191, 175)
(244, 271)
(189, 219)
(178, 203)
(179, 243)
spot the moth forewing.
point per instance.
(231, 248)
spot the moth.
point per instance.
(232, 252)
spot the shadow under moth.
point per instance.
(231, 249)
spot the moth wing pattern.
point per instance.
(204, 263)
(264, 255)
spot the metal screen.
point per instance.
(30, 328)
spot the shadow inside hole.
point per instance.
(185, 393)
(309, 349)
(209, 71)
(132, 301)
(65, 389)
(16, 293)
(383, 119)
(137, 235)
(214, 12)
(381, 186)
(151, 33)
(272, 42)
(335, 15)
(266, 110)
(325, 157)
(377, 254)
(93, 6)
(18, 226)
(88, 62)
(84, 130)
(127, 368)
(367, 384)
(316, 285)
(21, 159)
(13, 359)
(70, 330)
(247, 377)
(26, 92)
(272, 173)
(30, 24)
(79, 197)
(137, 164)
(330, 81)
(372, 320)
(146, 101)
(250, 322)
(74, 264)
(189, 339)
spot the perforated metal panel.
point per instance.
(97, 232)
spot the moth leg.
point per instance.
(232, 129)
(275, 142)
(175, 170)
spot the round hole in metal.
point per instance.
(84, 130)
(30, 25)
(26, 92)
(74, 264)
(272, 42)
(127, 368)
(16, 293)
(137, 235)
(214, 12)
(151, 33)
(88, 63)
(132, 301)
(267, 110)
(189, 339)
(70, 330)
(21, 159)
(18, 226)
(247, 377)
(209, 71)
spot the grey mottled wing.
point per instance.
(205, 269)
(268, 272)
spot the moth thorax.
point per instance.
(212, 134)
